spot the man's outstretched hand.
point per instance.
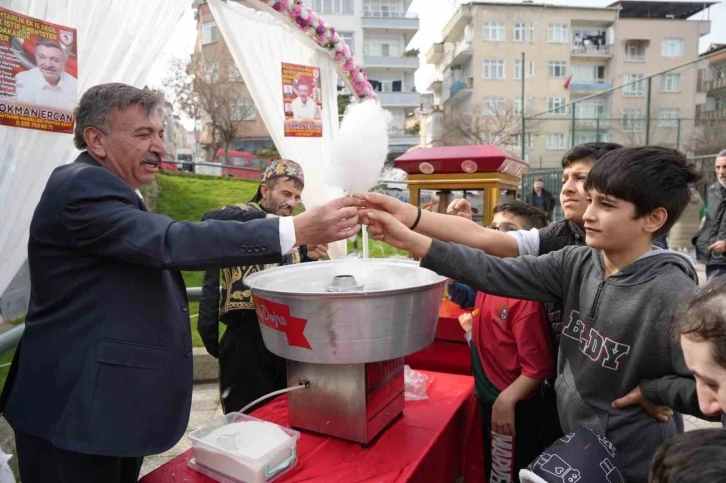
(385, 227)
(335, 220)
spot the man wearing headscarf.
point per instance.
(247, 370)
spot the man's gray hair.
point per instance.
(722, 154)
(97, 104)
(50, 43)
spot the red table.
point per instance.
(437, 440)
(449, 352)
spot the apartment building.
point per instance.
(570, 53)
(377, 32)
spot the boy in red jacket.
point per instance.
(512, 355)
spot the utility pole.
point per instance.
(524, 122)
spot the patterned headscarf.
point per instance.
(278, 169)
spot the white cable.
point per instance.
(267, 396)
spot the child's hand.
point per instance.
(385, 227)
(465, 320)
(659, 413)
(503, 416)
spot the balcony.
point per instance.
(399, 99)
(592, 122)
(602, 51)
(402, 139)
(460, 90)
(461, 54)
(455, 27)
(388, 20)
(435, 83)
(714, 85)
(407, 63)
(715, 114)
(435, 53)
(591, 86)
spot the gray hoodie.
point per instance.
(616, 336)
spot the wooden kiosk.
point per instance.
(467, 168)
(445, 170)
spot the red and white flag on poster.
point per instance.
(568, 82)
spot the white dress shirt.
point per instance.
(32, 88)
(304, 112)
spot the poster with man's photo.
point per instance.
(302, 101)
(38, 73)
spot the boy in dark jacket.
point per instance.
(618, 294)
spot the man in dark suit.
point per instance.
(103, 374)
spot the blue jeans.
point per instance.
(715, 271)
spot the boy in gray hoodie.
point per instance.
(618, 296)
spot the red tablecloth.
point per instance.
(449, 352)
(436, 440)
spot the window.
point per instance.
(668, 117)
(518, 69)
(632, 120)
(242, 110)
(635, 51)
(493, 69)
(588, 74)
(349, 38)
(342, 6)
(591, 137)
(557, 34)
(557, 105)
(587, 112)
(516, 140)
(671, 47)
(556, 141)
(493, 31)
(670, 82)
(523, 32)
(633, 85)
(494, 106)
(210, 33)
(211, 72)
(517, 106)
(378, 48)
(233, 73)
(557, 68)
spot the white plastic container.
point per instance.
(227, 466)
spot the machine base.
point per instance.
(349, 401)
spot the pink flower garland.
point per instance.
(326, 36)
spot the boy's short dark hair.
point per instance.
(703, 317)
(650, 177)
(533, 217)
(693, 457)
(587, 152)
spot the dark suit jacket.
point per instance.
(104, 366)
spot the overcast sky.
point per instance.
(433, 15)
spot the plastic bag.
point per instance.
(415, 384)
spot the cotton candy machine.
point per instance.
(344, 327)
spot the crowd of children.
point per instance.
(624, 371)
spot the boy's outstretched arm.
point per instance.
(443, 227)
(529, 278)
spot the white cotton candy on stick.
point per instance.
(360, 150)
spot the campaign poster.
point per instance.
(302, 101)
(38, 73)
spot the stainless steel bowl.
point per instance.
(390, 309)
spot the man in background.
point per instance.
(710, 241)
(247, 370)
(542, 199)
(47, 84)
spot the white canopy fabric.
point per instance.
(259, 43)
(118, 41)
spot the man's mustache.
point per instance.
(151, 158)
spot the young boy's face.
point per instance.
(610, 223)
(572, 196)
(504, 221)
(710, 375)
